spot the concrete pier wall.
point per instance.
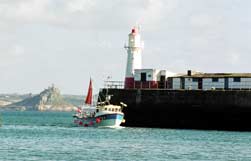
(188, 109)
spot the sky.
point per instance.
(65, 42)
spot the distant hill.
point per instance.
(76, 100)
(6, 99)
(49, 99)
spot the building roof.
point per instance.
(215, 75)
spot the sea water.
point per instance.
(52, 136)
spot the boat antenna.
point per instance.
(107, 79)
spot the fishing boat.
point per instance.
(104, 114)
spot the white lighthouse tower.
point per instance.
(134, 58)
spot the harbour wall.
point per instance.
(185, 109)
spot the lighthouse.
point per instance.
(134, 58)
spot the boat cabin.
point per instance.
(111, 108)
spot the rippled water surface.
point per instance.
(51, 136)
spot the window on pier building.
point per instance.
(143, 77)
(237, 79)
(195, 79)
(215, 79)
(169, 83)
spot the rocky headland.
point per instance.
(49, 99)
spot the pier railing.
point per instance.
(114, 84)
(164, 86)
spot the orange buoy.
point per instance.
(98, 120)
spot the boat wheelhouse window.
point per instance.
(105, 108)
(116, 109)
(215, 79)
(237, 79)
(112, 109)
(195, 79)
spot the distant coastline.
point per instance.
(49, 99)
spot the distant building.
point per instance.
(136, 77)
(154, 78)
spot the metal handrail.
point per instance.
(114, 84)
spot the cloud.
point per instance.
(80, 5)
(205, 20)
(24, 10)
(155, 11)
(11, 55)
(79, 37)
(85, 13)
(233, 58)
(18, 12)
